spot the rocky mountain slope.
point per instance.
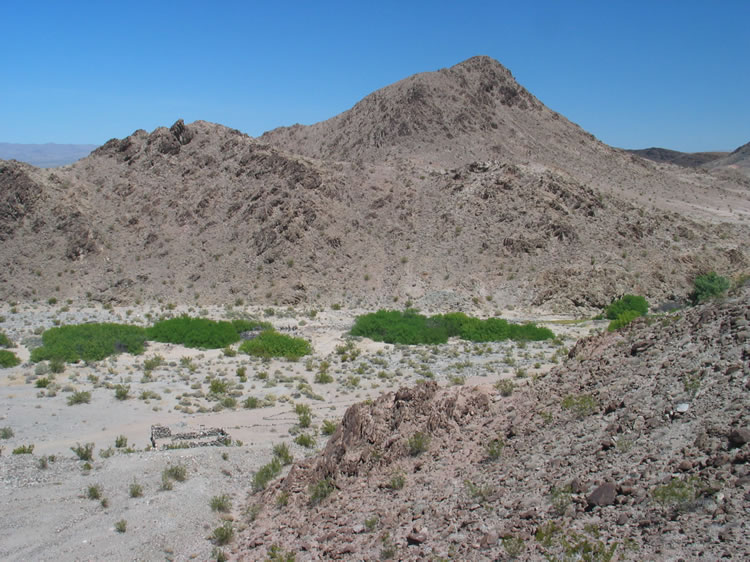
(687, 159)
(352, 211)
(637, 445)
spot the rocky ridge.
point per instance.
(637, 445)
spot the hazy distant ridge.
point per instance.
(49, 155)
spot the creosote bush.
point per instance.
(708, 286)
(198, 332)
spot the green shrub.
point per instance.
(281, 452)
(273, 344)
(44, 382)
(218, 386)
(677, 493)
(122, 391)
(582, 405)
(495, 448)
(84, 452)
(397, 481)
(505, 387)
(222, 503)
(223, 534)
(265, 474)
(418, 443)
(8, 359)
(305, 440)
(135, 490)
(79, 397)
(176, 472)
(121, 526)
(409, 327)
(328, 427)
(323, 377)
(194, 332)
(6, 432)
(94, 492)
(89, 342)
(708, 286)
(304, 415)
(626, 303)
(24, 450)
(121, 442)
(5, 341)
(623, 319)
(56, 365)
(320, 490)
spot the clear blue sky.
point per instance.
(671, 73)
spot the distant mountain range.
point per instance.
(49, 155)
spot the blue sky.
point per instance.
(636, 74)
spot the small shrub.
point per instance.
(6, 432)
(304, 415)
(44, 382)
(397, 481)
(56, 365)
(5, 341)
(251, 402)
(24, 450)
(582, 406)
(8, 359)
(282, 500)
(560, 498)
(135, 489)
(94, 492)
(176, 472)
(121, 442)
(265, 474)
(229, 352)
(371, 523)
(223, 534)
(328, 427)
(505, 387)
(222, 503)
(514, 546)
(479, 492)
(305, 440)
(323, 377)
(495, 448)
(320, 490)
(84, 452)
(277, 554)
(622, 320)
(281, 452)
(708, 286)
(79, 397)
(418, 443)
(677, 493)
(218, 386)
(122, 392)
(121, 526)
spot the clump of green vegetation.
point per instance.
(479, 492)
(418, 443)
(122, 391)
(708, 286)
(265, 474)
(495, 448)
(121, 442)
(277, 554)
(195, 332)
(281, 452)
(305, 440)
(505, 387)
(44, 382)
(24, 450)
(223, 534)
(320, 490)
(5, 340)
(222, 503)
(135, 489)
(8, 359)
(304, 415)
(6, 432)
(409, 327)
(121, 526)
(79, 397)
(270, 343)
(84, 452)
(89, 342)
(397, 481)
(624, 310)
(176, 472)
(677, 493)
(328, 427)
(218, 386)
(582, 405)
(94, 492)
(560, 498)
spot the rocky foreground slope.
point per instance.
(637, 446)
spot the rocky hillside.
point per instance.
(687, 159)
(351, 211)
(637, 445)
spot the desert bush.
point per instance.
(409, 327)
(84, 452)
(44, 382)
(24, 450)
(328, 427)
(252, 402)
(152, 363)
(176, 472)
(222, 503)
(677, 493)
(56, 365)
(626, 303)
(8, 359)
(195, 332)
(135, 490)
(79, 397)
(582, 405)
(708, 286)
(505, 387)
(218, 386)
(6, 432)
(223, 534)
(418, 443)
(121, 442)
(94, 492)
(5, 341)
(305, 440)
(304, 415)
(397, 481)
(270, 343)
(122, 391)
(495, 448)
(281, 452)
(89, 342)
(323, 377)
(121, 526)
(320, 490)
(479, 492)
(560, 498)
(623, 319)
(265, 474)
